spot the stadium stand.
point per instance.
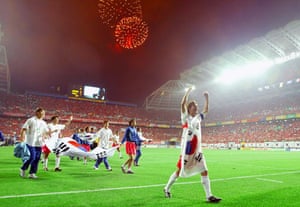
(254, 121)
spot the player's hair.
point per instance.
(131, 122)
(54, 117)
(190, 104)
(39, 109)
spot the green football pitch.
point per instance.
(241, 178)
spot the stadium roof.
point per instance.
(275, 48)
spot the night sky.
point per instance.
(64, 42)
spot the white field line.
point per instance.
(235, 164)
(269, 180)
(144, 186)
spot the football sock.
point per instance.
(206, 185)
(57, 162)
(171, 181)
(46, 163)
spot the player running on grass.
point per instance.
(104, 134)
(192, 160)
(33, 132)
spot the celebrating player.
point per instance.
(192, 160)
(34, 130)
(130, 137)
(55, 128)
(104, 134)
(116, 142)
(138, 143)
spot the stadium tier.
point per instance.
(275, 119)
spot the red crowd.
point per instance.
(157, 125)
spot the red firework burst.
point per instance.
(131, 32)
(112, 11)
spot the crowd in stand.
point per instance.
(14, 109)
(284, 130)
(256, 109)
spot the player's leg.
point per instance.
(84, 160)
(137, 157)
(120, 153)
(46, 153)
(130, 151)
(206, 184)
(45, 163)
(127, 150)
(35, 162)
(97, 163)
(130, 161)
(171, 181)
(107, 166)
(26, 163)
(57, 164)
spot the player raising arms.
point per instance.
(192, 160)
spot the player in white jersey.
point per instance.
(33, 133)
(116, 142)
(138, 143)
(191, 147)
(51, 143)
(104, 135)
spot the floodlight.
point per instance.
(248, 71)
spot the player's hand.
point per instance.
(205, 94)
(189, 89)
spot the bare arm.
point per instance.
(69, 121)
(184, 100)
(205, 108)
(22, 134)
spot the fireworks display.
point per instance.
(125, 17)
(131, 32)
(112, 11)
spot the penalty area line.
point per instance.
(147, 186)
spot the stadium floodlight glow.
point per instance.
(249, 71)
(187, 88)
(252, 70)
(286, 58)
